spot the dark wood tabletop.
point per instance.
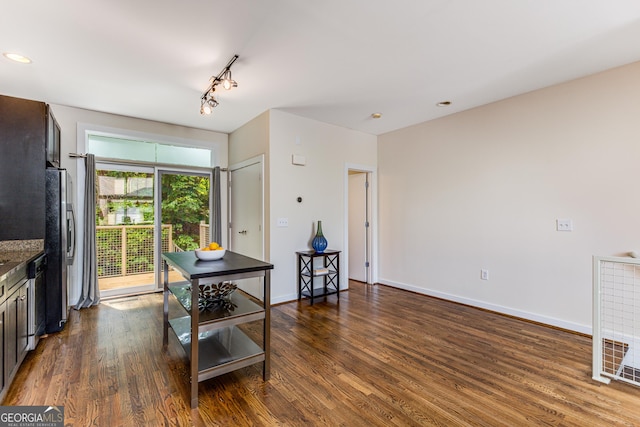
(232, 263)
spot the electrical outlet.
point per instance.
(283, 222)
(564, 225)
(484, 274)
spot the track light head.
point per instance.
(208, 103)
(205, 109)
(227, 81)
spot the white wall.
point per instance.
(69, 118)
(320, 183)
(249, 141)
(483, 189)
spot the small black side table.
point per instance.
(329, 273)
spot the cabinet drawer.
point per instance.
(15, 280)
(11, 282)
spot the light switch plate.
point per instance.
(283, 222)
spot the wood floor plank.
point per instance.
(378, 357)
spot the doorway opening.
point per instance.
(359, 230)
(360, 219)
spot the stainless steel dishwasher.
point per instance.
(37, 300)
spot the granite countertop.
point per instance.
(14, 254)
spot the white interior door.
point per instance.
(246, 214)
(357, 226)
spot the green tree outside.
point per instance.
(185, 202)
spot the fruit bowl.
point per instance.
(210, 255)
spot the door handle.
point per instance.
(71, 229)
(242, 232)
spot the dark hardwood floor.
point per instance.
(380, 357)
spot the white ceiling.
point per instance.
(337, 61)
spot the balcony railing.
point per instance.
(128, 249)
(124, 250)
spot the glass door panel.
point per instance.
(125, 229)
(184, 210)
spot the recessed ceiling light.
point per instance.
(17, 57)
(376, 115)
(443, 104)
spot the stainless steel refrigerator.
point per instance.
(59, 246)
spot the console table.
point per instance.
(211, 338)
(328, 275)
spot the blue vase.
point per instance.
(319, 243)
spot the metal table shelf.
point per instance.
(221, 346)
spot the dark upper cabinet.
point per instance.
(23, 135)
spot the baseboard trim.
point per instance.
(550, 321)
(293, 297)
(284, 298)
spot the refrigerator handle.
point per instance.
(71, 243)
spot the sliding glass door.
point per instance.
(140, 213)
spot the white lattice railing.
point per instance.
(128, 249)
(616, 319)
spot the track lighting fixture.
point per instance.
(208, 101)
